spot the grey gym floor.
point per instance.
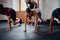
(17, 33)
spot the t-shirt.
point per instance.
(7, 11)
(55, 12)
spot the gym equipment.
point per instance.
(39, 15)
(48, 22)
(28, 10)
(55, 22)
(38, 22)
(20, 21)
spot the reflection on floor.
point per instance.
(17, 32)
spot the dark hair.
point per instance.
(28, 10)
(1, 6)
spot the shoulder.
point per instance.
(55, 12)
(6, 8)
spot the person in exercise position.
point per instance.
(55, 14)
(31, 11)
(10, 13)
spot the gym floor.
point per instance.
(17, 33)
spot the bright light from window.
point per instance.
(23, 5)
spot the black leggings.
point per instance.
(13, 15)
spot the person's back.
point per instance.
(56, 13)
(8, 11)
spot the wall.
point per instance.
(47, 7)
(15, 5)
(11, 4)
(23, 5)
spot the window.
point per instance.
(23, 5)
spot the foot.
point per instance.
(15, 22)
(34, 30)
(8, 29)
(24, 30)
(50, 33)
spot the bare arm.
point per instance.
(35, 18)
(51, 23)
(9, 24)
(35, 4)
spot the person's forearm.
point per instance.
(35, 18)
(35, 4)
(9, 24)
(25, 23)
(51, 23)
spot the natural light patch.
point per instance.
(23, 5)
